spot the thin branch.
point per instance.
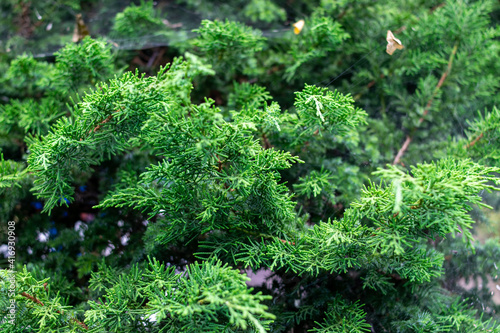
(402, 150)
(33, 298)
(429, 103)
(473, 142)
(98, 127)
(37, 301)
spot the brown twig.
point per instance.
(403, 28)
(37, 301)
(23, 21)
(402, 150)
(473, 142)
(429, 103)
(98, 127)
(156, 57)
(342, 14)
(33, 298)
(172, 25)
(284, 241)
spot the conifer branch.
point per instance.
(98, 127)
(224, 184)
(473, 142)
(445, 74)
(402, 150)
(33, 298)
(37, 301)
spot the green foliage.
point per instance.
(36, 27)
(482, 138)
(45, 310)
(176, 301)
(264, 10)
(26, 76)
(86, 63)
(148, 188)
(321, 36)
(248, 96)
(230, 46)
(137, 21)
(217, 185)
(38, 97)
(315, 183)
(343, 318)
(392, 231)
(257, 11)
(439, 80)
(443, 188)
(153, 297)
(13, 184)
(89, 137)
(29, 116)
(320, 107)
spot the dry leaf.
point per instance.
(297, 26)
(81, 29)
(171, 25)
(393, 43)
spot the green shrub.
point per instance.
(138, 204)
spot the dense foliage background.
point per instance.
(153, 154)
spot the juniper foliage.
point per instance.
(139, 203)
